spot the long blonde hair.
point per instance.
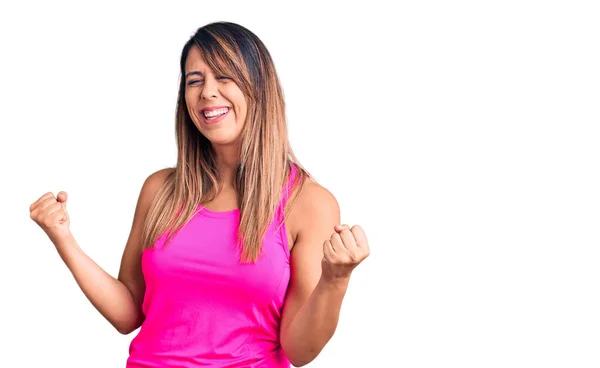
(266, 155)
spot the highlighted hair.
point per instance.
(266, 155)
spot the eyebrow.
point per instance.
(193, 73)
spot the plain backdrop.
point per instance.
(462, 136)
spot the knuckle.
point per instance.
(356, 229)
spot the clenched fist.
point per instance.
(343, 251)
(51, 214)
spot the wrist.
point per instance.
(335, 282)
(63, 242)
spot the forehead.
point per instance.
(195, 61)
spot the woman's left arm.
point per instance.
(323, 257)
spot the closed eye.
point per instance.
(196, 81)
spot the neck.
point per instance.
(228, 161)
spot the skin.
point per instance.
(323, 252)
(207, 89)
(323, 255)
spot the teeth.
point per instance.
(210, 114)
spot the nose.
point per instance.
(210, 89)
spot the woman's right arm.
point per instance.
(120, 299)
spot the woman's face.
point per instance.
(203, 90)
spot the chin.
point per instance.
(222, 140)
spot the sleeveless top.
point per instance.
(203, 307)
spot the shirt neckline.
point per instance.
(217, 214)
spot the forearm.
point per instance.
(315, 322)
(107, 294)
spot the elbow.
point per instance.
(303, 350)
(299, 358)
(299, 361)
(123, 329)
(127, 328)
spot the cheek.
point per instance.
(189, 103)
(242, 106)
(240, 113)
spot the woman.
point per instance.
(236, 257)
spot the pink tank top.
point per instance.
(205, 308)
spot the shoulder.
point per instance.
(315, 197)
(155, 180)
(151, 187)
(315, 207)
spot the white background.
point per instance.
(463, 136)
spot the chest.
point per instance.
(227, 200)
(201, 262)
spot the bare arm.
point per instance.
(120, 299)
(109, 295)
(313, 303)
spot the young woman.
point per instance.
(236, 256)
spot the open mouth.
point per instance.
(215, 114)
